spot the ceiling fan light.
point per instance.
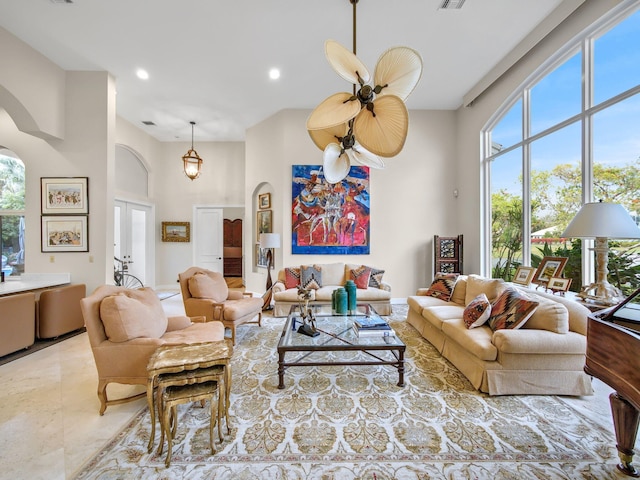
(400, 68)
(385, 133)
(336, 164)
(345, 63)
(333, 111)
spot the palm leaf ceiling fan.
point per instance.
(372, 122)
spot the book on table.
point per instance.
(381, 331)
(370, 322)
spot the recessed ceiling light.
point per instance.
(142, 74)
(274, 74)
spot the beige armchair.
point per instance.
(126, 326)
(206, 293)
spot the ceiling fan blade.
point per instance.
(336, 163)
(345, 63)
(400, 68)
(385, 133)
(361, 155)
(335, 110)
(324, 137)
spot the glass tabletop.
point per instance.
(336, 331)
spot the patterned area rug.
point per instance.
(354, 422)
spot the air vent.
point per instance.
(451, 4)
(62, 2)
(149, 123)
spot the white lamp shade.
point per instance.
(269, 240)
(600, 219)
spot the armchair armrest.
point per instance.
(178, 323)
(278, 287)
(205, 307)
(385, 286)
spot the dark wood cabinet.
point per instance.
(447, 254)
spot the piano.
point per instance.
(613, 356)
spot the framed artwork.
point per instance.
(558, 284)
(64, 195)
(264, 201)
(176, 232)
(329, 218)
(524, 275)
(261, 257)
(447, 254)
(65, 233)
(264, 221)
(549, 267)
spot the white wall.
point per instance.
(411, 199)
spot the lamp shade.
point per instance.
(269, 240)
(600, 219)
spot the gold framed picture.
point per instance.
(264, 201)
(524, 275)
(549, 267)
(176, 232)
(558, 284)
(264, 222)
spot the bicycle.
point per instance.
(122, 278)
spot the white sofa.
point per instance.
(545, 356)
(334, 275)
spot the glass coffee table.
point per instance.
(336, 335)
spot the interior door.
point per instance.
(133, 227)
(208, 238)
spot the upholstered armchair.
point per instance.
(206, 293)
(126, 326)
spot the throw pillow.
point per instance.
(375, 279)
(311, 277)
(491, 287)
(477, 312)
(202, 285)
(291, 277)
(511, 310)
(126, 316)
(442, 286)
(361, 276)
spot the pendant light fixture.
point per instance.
(192, 161)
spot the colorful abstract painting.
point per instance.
(329, 218)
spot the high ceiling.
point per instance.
(209, 60)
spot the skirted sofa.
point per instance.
(532, 342)
(323, 279)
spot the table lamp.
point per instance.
(269, 241)
(601, 220)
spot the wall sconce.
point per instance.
(192, 161)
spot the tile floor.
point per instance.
(49, 421)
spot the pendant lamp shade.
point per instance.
(192, 163)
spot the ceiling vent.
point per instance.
(148, 122)
(451, 4)
(62, 2)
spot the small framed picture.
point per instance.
(176, 232)
(261, 257)
(264, 222)
(549, 267)
(64, 195)
(264, 201)
(65, 234)
(558, 284)
(524, 275)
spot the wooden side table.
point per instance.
(169, 359)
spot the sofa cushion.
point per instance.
(291, 295)
(133, 314)
(375, 280)
(460, 291)
(549, 315)
(360, 276)
(311, 277)
(511, 310)
(442, 286)
(477, 341)
(202, 285)
(291, 277)
(477, 312)
(491, 287)
(437, 315)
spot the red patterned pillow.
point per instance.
(361, 276)
(442, 286)
(477, 312)
(291, 277)
(511, 310)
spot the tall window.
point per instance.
(11, 213)
(567, 137)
